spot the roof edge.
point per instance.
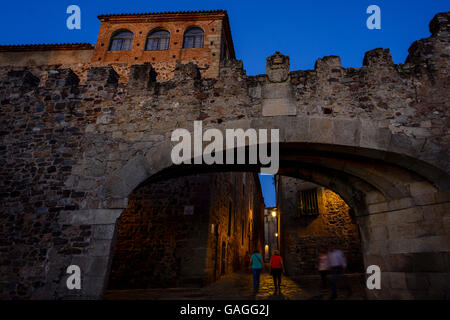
(162, 13)
(45, 47)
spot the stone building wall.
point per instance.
(158, 245)
(236, 214)
(45, 55)
(303, 236)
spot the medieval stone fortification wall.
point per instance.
(71, 154)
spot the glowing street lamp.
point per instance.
(274, 213)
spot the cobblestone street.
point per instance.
(238, 286)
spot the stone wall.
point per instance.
(158, 245)
(72, 154)
(25, 56)
(303, 236)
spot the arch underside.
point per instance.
(359, 179)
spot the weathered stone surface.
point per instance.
(158, 245)
(67, 151)
(277, 94)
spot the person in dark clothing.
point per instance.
(246, 259)
(323, 268)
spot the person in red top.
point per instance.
(276, 263)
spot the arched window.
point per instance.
(158, 40)
(193, 38)
(121, 41)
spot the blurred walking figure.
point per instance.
(338, 263)
(323, 268)
(276, 263)
(246, 259)
(256, 265)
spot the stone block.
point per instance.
(278, 100)
(255, 92)
(296, 129)
(98, 267)
(189, 71)
(373, 136)
(379, 232)
(417, 281)
(377, 58)
(400, 262)
(116, 187)
(346, 132)
(23, 79)
(428, 262)
(83, 262)
(105, 76)
(93, 287)
(327, 63)
(141, 76)
(115, 203)
(104, 231)
(377, 208)
(376, 247)
(89, 216)
(397, 280)
(439, 25)
(321, 130)
(405, 216)
(100, 248)
(61, 78)
(106, 216)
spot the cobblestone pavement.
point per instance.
(238, 286)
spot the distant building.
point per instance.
(271, 232)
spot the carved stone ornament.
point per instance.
(277, 67)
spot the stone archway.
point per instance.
(400, 212)
(376, 135)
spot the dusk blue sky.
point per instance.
(303, 30)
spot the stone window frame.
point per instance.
(149, 38)
(194, 36)
(114, 37)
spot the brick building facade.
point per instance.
(217, 44)
(215, 47)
